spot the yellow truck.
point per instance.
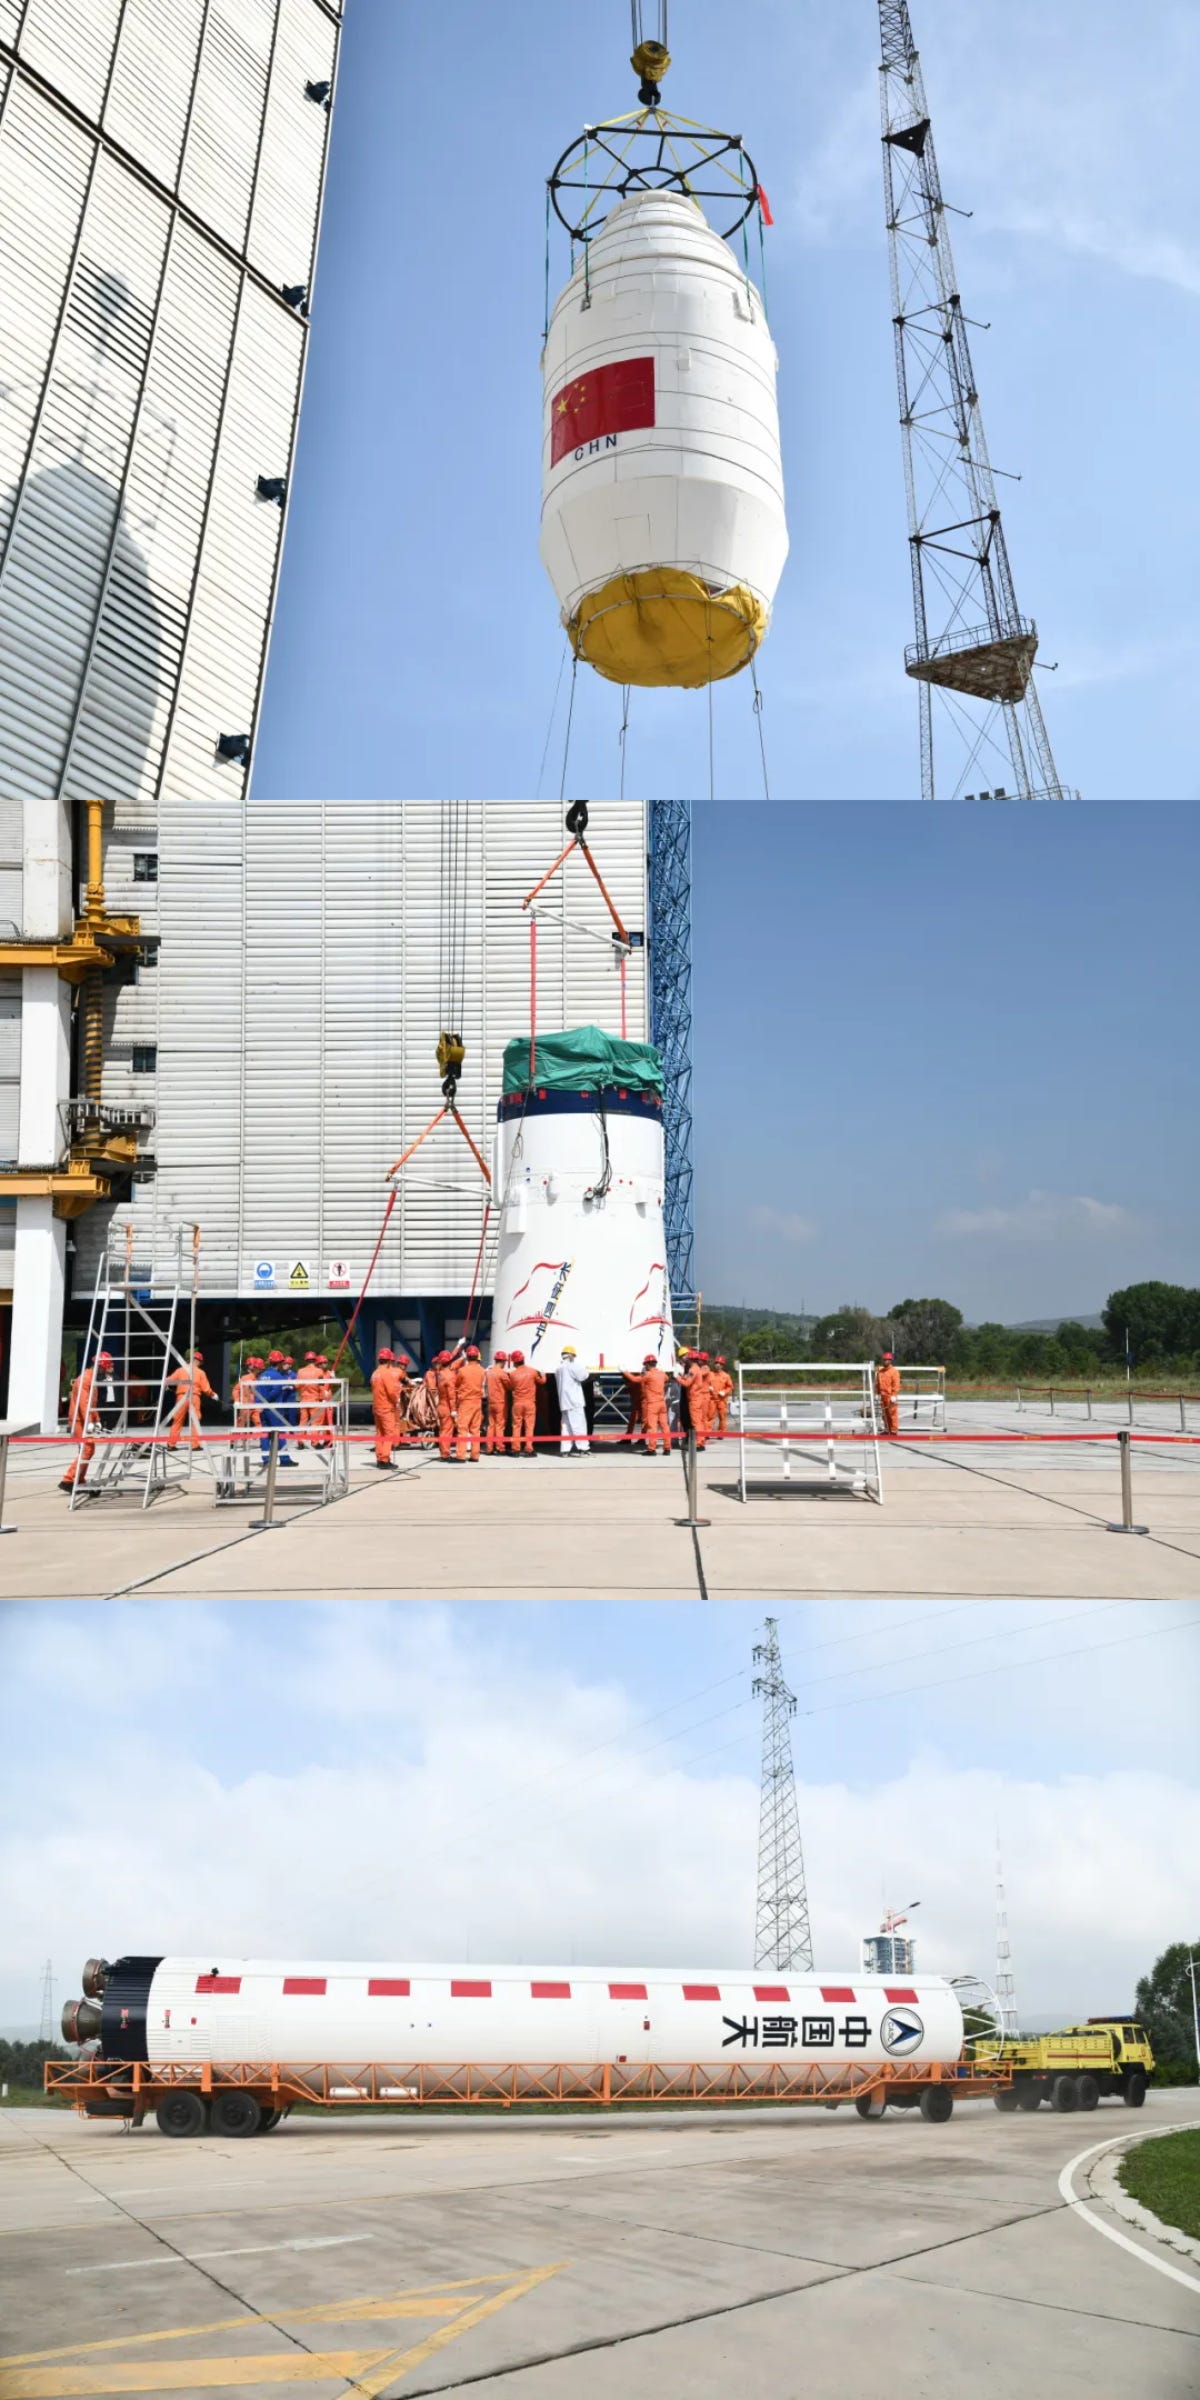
(1108, 2058)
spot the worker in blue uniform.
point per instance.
(276, 1394)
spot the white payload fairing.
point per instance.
(663, 524)
(579, 1181)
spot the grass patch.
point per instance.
(1165, 2176)
(21, 2095)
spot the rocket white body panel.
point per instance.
(702, 488)
(572, 1269)
(315, 2011)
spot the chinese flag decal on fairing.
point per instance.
(607, 400)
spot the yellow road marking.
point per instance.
(465, 2304)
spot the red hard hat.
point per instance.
(472, 1352)
(648, 1360)
(516, 1358)
(310, 1357)
(197, 1354)
(704, 1358)
(402, 1359)
(322, 1360)
(104, 1358)
(275, 1359)
(720, 1360)
(388, 1354)
(499, 1358)
(888, 1354)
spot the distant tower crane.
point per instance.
(46, 2016)
(782, 1936)
(1006, 1994)
(974, 652)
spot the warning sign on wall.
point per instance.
(299, 1278)
(339, 1275)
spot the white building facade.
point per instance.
(312, 952)
(162, 165)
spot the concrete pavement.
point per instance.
(572, 2259)
(1002, 1519)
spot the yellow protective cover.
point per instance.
(660, 625)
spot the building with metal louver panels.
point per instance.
(296, 1041)
(162, 164)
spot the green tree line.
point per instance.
(1161, 1321)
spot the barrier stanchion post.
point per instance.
(1127, 1524)
(1018, 1396)
(692, 1520)
(266, 1523)
(3, 1479)
(1052, 1400)
(1129, 1405)
(1089, 1402)
(1182, 1414)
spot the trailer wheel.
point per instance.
(236, 2113)
(1006, 2102)
(1064, 2095)
(1088, 2090)
(182, 2113)
(1029, 2096)
(1135, 2089)
(870, 2104)
(937, 2104)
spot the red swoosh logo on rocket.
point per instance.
(658, 1268)
(553, 1264)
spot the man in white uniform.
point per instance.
(572, 1404)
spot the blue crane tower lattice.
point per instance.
(973, 656)
(782, 1934)
(670, 889)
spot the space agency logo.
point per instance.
(901, 2032)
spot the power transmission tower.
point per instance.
(972, 659)
(1006, 1994)
(46, 2020)
(782, 1937)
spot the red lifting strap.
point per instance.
(578, 842)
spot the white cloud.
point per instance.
(783, 1224)
(1041, 1217)
(473, 1799)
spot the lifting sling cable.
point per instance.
(577, 818)
(391, 1202)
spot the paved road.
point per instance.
(1002, 1519)
(772, 2255)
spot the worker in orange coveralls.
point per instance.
(324, 1434)
(385, 1397)
(247, 1416)
(698, 1385)
(191, 1387)
(722, 1392)
(634, 1430)
(83, 1417)
(887, 1384)
(468, 1403)
(496, 1382)
(447, 1400)
(309, 1382)
(523, 1383)
(653, 1388)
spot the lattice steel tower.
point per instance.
(782, 1936)
(670, 880)
(1006, 1994)
(46, 2026)
(973, 656)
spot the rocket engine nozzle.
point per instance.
(80, 2021)
(95, 1976)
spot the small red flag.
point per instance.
(607, 400)
(765, 206)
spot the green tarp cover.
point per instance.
(581, 1061)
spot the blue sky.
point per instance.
(947, 1051)
(541, 1782)
(416, 649)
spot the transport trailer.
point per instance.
(233, 2046)
(1108, 2058)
